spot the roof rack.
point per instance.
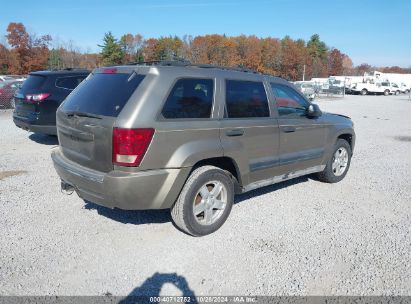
(186, 63)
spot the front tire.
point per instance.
(386, 92)
(364, 92)
(338, 164)
(205, 201)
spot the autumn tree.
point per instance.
(293, 58)
(30, 52)
(216, 49)
(199, 53)
(271, 56)
(317, 50)
(335, 62)
(395, 69)
(362, 68)
(168, 48)
(186, 48)
(249, 52)
(348, 66)
(149, 49)
(111, 50)
(55, 60)
(289, 58)
(5, 59)
(132, 47)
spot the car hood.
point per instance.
(337, 118)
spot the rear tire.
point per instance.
(386, 92)
(205, 201)
(337, 166)
(364, 92)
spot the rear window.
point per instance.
(33, 82)
(102, 94)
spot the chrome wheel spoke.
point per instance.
(204, 192)
(218, 204)
(208, 216)
(216, 190)
(199, 208)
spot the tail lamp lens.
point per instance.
(37, 97)
(130, 145)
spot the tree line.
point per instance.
(286, 57)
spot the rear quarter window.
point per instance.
(69, 82)
(103, 94)
(190, 98)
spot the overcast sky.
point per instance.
(375, 32)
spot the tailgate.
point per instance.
(23, 109)
(86, 141)
(86, 118)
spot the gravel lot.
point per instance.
(300, 237)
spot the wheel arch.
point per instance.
(349, 137)
(225, 163)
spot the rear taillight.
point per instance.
(37, 97)
(130, 145)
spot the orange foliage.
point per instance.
(287, 57)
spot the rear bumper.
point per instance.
(33, 127)
(152, 189)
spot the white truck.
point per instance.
(381, 88)
(403, 81)
(365, 88)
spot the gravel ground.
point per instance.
(300, 237)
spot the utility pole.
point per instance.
(304, 73)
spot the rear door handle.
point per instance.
(288, 129)
(234, 132)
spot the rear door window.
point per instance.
(102, 94)
(69, 83)
(246, 99)
(190, 98)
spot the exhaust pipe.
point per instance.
(66, 188)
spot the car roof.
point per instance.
(11, 81)
(61, 72)
(200, 70)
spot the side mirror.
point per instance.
(314, 111)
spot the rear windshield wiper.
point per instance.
(81, 114)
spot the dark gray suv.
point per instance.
(189, 137)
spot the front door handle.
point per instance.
(288, 129)
(234, 132)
